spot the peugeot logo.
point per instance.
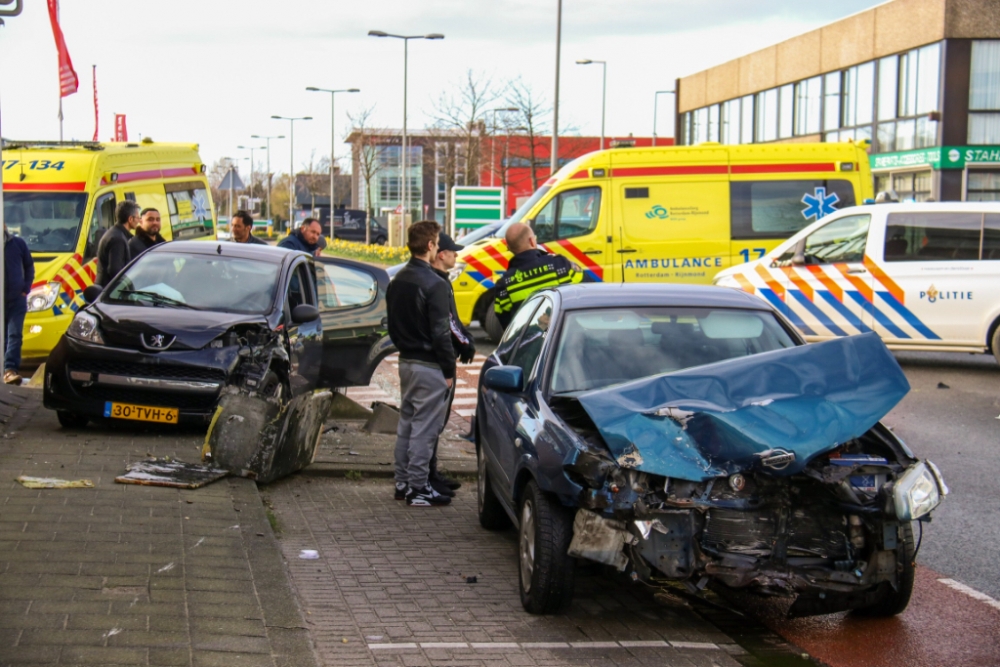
(776, 459)
(156, 341)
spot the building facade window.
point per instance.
(808, 100)
(984, 93)
(786, 111)
(767, 115)
(983, 186)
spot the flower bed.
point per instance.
(376, 254)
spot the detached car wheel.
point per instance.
(71, 419)
(491, 513)
(491, 324)
(896, 600)
(546, 571)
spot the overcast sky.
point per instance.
(214, 71)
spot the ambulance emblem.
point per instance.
(819, 204)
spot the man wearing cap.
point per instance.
(465, 349)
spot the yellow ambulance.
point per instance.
(671, 214)
(60, 197)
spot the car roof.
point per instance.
(599, 295)
(227, 249)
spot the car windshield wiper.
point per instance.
(157, 298)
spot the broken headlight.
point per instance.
(84, 327)
(918, 491)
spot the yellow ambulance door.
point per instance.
(673, 228)
(152, 196)
(572, 223)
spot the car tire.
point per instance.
(379, 240)
(545, 569)
(995, 343)
(492, 515)
(491, 323)
(71, 419)
(271, 386)
(896, 599)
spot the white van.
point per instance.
(922, 276)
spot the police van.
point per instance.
(671, 214)
(60, 197)
(921, 276)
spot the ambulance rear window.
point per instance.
(778, 209)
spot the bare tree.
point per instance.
(465, 116)
(535, 116)
(366, 142)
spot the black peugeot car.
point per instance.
(185, 320)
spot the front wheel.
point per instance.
(71, 419)
(380, 240)
(546, 570)
(491, 323)
(896, 599)
(995, 343)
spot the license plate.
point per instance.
(142, 413)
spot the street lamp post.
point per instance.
(492, 141)
(604, 90)
(267, 140)
(554, 164)
(251, 149)
(333, 143)
(229, 162)
(404, 157)
(291, 164)
(656, 99)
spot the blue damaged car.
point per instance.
(688, 433)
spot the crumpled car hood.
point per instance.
(716, 420)
(194, 329)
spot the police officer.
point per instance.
(530, 269)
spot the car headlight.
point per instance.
(84, 327)
(456, 271)
(918, 491)
(43, 297)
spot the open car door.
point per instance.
(352, 307)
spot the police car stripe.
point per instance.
(844, 311)
(595, 270)
(773, 299)
(910, 318)
(815, 311)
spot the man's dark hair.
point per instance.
(309, 221)
(420, 234)
(148, 209)
(245, 218)
(125, 210)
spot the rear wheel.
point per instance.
(546, 571)
(71, 419)
(379, 240)
(491, 323)
(896, 599)
(995, 343)
(491, 513)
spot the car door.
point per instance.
(827, 287)
(304, 339)
(351, 299)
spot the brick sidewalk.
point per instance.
(390, 588)
(134, 575)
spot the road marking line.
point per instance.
(645, 644)
(467, 391)
(464, 401)
(465, 413)
(704, 645)
(971, 592)
(443, 645)
(507, 645)
(461, 382)
(531, 645)
(659, 643)
(594, 644)
(391, 647)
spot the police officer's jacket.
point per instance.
(528, 272)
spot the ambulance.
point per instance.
(60, 197)
(921, 276)
(671, 214)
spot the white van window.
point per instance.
(937, 236)
(778, 209)
(190, 213)
(842, 240)
(569, 214)
(991, 237)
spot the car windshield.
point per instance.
(201, 282)
(479, 234)
(598, 348)
(523, 209)
(47, 221)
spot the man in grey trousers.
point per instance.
(418, 302)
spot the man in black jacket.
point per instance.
(147, 234)
(113, 252)
(418, 302)
(241, 229)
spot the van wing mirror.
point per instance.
(799, 255)
(91, 292)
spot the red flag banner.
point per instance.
(68, 81)
(96, 117)
(121, 132)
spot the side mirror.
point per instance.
(303, 313)
(91, 292)
(799, 256)
(505, 378)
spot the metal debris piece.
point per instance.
(309, 554)
(384, 419)
(53, 483)
(169, 472)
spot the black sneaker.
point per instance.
(425, 497)
(400, 491)
(441, 487)
(442, 480)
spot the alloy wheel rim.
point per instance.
(527, 543)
